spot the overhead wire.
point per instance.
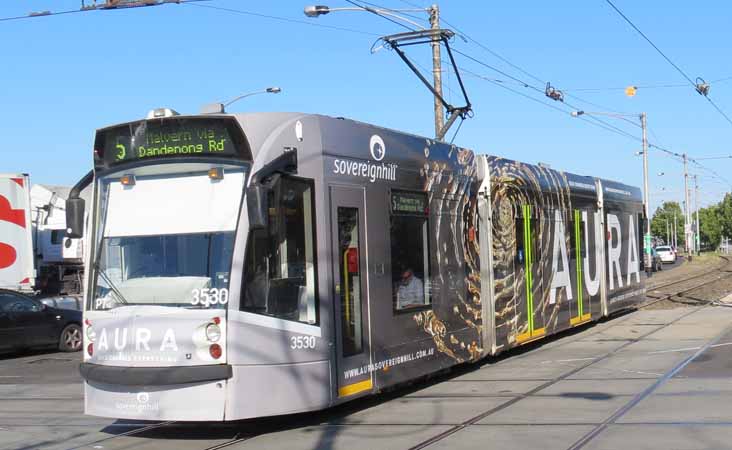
(678, 69)
(501, 83)
(43, 14)
(599, 89)
(651, 42)
(285, 19)
(37, 14)
(401, 12)
(508, 62)
(587, 118)
(713, 172)
(642, 86)
(371, 10)
(719, 110)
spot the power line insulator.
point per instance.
(702, 87)
(553, 93)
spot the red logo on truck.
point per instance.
(8, 254)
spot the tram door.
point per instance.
(529, 290)
(350, 290)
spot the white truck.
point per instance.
(36, 257)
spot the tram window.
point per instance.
(520, 249)
(583, 236)
(57, 237)
(570, 232)
(410, 250)
(350, 280)
(279, 267)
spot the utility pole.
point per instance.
(437, 70)
(697, 229)
(668, 238)
(647, 237)
(687, 215)
(676, 236)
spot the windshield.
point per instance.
(166, 239)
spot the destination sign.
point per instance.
(411, 203)
(168, 138)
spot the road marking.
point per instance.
(566, 360)
(640, 372)
(688, 349)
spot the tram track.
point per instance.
(665, 296)
(127, 433)
(722, 271)
(473, 420)
(159, 427)
(702, 273)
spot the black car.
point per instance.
(27, 323)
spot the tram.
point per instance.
(248, 265)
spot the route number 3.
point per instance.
(121, 152)
(302, 342)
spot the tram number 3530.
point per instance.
(302, 342)
(210, 296)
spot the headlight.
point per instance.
(90, 333)
(213, 332)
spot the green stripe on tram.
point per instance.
(528, 263)
(578, 253)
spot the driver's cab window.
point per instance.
(279, 266)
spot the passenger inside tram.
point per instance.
(410, 291)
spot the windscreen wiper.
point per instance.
(112, 286)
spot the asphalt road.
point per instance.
(647, 379)
(667, 267)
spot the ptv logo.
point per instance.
(12, 229)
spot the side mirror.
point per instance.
(258, 206)
(75, 218)
(263, 182)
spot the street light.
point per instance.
(220, 108)
(642, 117)
(269, 90)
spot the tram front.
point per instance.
(168, 192)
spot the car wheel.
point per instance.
(70, 340)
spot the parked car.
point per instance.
(28, 323)
(62, 302)
(667, 254)
(657, 264)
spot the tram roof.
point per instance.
(264, 129)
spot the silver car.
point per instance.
(666, 253)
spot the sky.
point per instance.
(64, 76)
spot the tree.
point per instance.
(725, 215)
(665, 215)
(710, 225)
